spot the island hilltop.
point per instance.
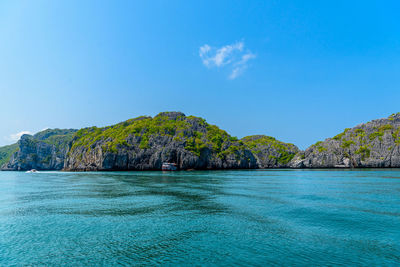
(145, 143)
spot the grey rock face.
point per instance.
(44, 151)
(147, 142)
(369, 145)
(269, 152)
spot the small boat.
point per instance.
(169, 166)
(32, 171)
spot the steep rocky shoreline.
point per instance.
(45, 150)
(374, 144)
(144, 143)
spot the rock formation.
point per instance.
(269, 152)
(373, 144)
(45, 150)
(144, 143)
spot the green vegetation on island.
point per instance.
(45, 150)
(372, 144)
(194, 132)
(6, 153)
(278, 153)
(144, 143)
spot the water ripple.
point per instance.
(252, 217)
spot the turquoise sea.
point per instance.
(246, 218)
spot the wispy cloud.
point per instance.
(234, 57)
(16, 136)
(241, 65)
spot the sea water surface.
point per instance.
(257, 217)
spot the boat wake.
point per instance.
(32, 171)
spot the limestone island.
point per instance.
(189, 142)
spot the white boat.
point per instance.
(32, 171)
(169, 166)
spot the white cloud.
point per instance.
(247, 57)
(236, 72)
(241, 65)
(203, 54)
(16, 136)
(232, 57)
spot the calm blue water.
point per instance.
(281, 217)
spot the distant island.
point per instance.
(145, 143)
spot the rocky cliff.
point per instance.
(6, 152)
(372, 144)
(45, 150)
(269, 152)
(145, 143)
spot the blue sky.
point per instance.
(300, 71)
